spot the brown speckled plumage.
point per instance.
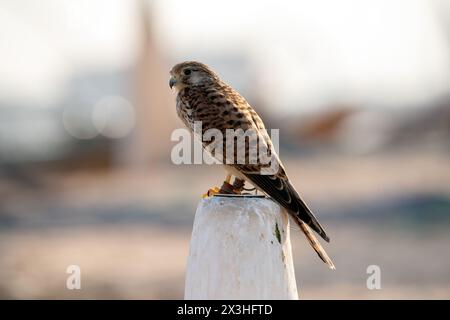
(203, 96)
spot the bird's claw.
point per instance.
(236, 188)
(211, 192)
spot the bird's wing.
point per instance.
(283, 192)
(276, 185)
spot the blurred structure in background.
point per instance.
(359, 89)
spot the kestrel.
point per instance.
(204, 97)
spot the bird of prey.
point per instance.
(203, 96)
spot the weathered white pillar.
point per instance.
(240, 249)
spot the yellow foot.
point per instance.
(227, 188)
(211, 192)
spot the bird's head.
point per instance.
(191, 73)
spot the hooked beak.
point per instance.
(172, 82)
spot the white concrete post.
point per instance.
(240, 249)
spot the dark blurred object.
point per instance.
(429, 127)
(320, 128)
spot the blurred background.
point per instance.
(360, 91)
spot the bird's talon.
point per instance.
(211, 192)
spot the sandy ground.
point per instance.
(125, 255)
(148, 263)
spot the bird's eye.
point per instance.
(187, 72)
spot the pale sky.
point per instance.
(387, 52)
(304, 52)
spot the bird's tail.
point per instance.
(315, 244)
